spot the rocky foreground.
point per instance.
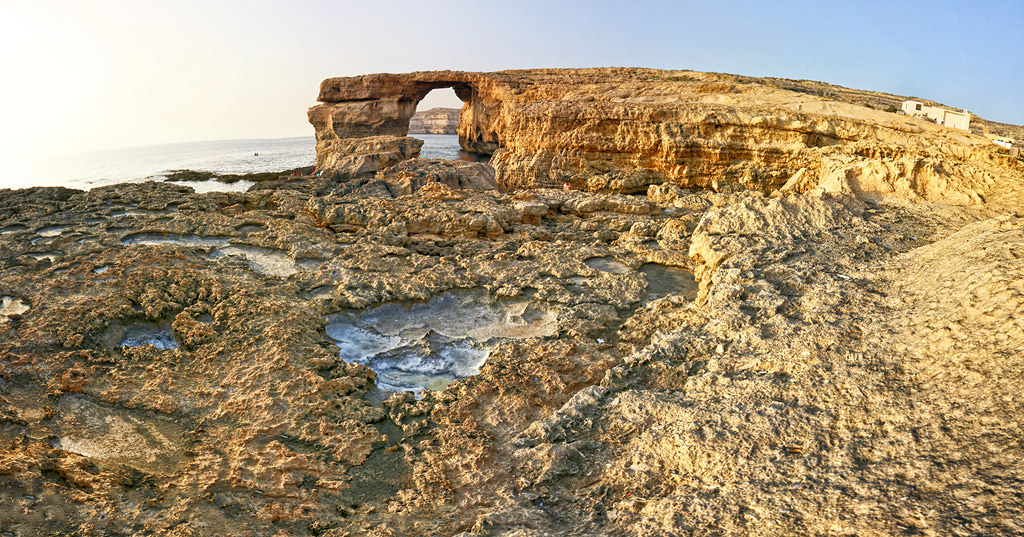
(817, 353)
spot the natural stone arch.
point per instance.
(623, 130)
(362, 123)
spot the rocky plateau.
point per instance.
(672, 303)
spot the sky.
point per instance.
(98, 74)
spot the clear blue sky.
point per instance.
(110, 73)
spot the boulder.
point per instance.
(409, 176)
(364, 156)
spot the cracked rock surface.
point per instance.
(711, 363)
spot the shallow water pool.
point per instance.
(428, 345)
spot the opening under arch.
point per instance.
(436, 123)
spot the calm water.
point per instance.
(427, 345)
(90, 170)
(444, 146)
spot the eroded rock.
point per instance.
(409, 176)
(112, 437)
(623, 130)
(849, 365)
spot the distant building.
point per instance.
(949, 118)
(1000, 140)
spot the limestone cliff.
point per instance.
(435, 121)
(620, 130)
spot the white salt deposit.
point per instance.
(12, 306)
(161, 337)
(155, 239)
(261, 260)
(51, 231)
(606, 264)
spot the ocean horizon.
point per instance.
(93, 169)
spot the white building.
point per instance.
(1000, 140)
(949, 118)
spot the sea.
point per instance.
(136, 164)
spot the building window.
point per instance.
(917, 106)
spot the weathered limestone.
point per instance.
(847, 364)
(835, 342)
(621, 130)
(363, 156)
(409, 176)
(378, 105)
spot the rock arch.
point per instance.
(362, 123)
(624, 129)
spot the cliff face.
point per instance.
(435, 121)
(621, 130)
